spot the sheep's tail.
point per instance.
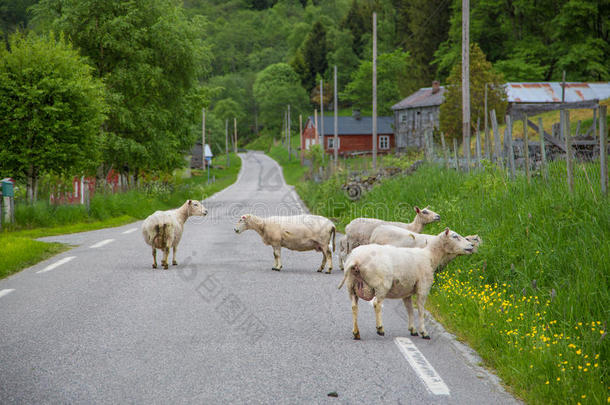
(162, 232)
(347, 270)
(333, 232)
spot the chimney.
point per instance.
(356, 114)
(436, 86)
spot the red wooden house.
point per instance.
(355, 134)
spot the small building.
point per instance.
(196, 156)
(416, 114)
(355, 134)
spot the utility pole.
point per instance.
(336, 141)
(301, 138)
(203, 163)
(465, 72)
(227, 141)
(374, 91)
(289, 145)
(322, 118)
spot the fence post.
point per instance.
(603, 148)
(568, 138)
(526, 141)
(511, 150)
(455, 154)
(478, 150)
(497, 143)
(544, 167)
(1, 210)
(445, 152)
(467, 150)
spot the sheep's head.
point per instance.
(243, 224)
(196, 208)
(426, 215)
(475, 240)
(454, 243)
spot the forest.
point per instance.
(146, 68)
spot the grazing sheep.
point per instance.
(163, 229)
(342, 251)
(297, 232)
(385, 271)
(399, 237)
(359, 231)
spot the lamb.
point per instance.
(399, 237)
(297, 232)
(163, 229)
(359, 231)
(385, 271)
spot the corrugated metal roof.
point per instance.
(421, 98)
(352, 126)
(549, 92)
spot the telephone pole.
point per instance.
(374, 91)
(336, 141)
(465, 73)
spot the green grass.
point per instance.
(292, 169)
(535, 300)
(19, 250)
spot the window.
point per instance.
(331, 142)
(403, 116)
(384, 142)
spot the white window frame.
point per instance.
(384, 140)
(331, 142)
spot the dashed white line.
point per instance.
(6, 291)
(129, 231)
(101, 243)
(56, 264)
(422, 367)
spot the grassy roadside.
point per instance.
(535, 300)
(20, 250)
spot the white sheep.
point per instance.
(163, 229)
(297, 232)
(342, 250)
(359, 231)
(385, 271)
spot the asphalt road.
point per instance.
(221, 327)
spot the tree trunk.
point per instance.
(32, 184)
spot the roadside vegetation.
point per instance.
(19, 250)
(534, 300)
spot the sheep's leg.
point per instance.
(165, 258)
(329, 260)
(277, 266)
(154, 252)
(174, 262)
(324, 260)
(378, 322)
(355, 330)
(421, 301)
(409, 306)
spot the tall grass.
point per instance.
(535, 300)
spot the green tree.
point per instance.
(275, 87)
(315, 50)
(481, 73)
(51, 110)
(394, 82)
(150, 57)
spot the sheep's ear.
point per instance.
(190, 202)
(446, 231)
(243, 217)
(416, 208)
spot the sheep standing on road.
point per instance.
(384, 271)
(297, 232)
(342, 251)
(163, 229)
(359, 231)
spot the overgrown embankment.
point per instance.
(19, 250)
(535, 300)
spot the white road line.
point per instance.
(56, 264)
(6, 291)
(101, 243)
(129, 231)
(422, 367)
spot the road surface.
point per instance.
(97, 324)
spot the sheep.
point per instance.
(384, 271)
(342, 251)
(163, 229)
(297, 232)
(359, 231)
(399, 237)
